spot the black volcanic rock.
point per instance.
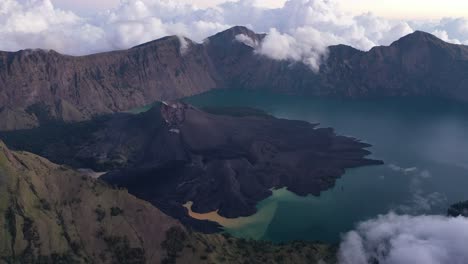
(175, 153)
(35, 82)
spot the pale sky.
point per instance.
(410, 9)
(302, 30)
(401, 9)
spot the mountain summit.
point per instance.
(38, 87)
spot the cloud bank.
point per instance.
(301, 30)
(402, 239)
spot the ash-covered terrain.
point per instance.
(227, 160)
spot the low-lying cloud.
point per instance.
(421, 202)
(403, 239)
(301, 30)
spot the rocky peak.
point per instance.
(165, 40)
(181, 43)
(234, 31)
(342, 52)
(229, 36)
(174, 112)
(418, 38)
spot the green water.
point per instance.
(424, 143)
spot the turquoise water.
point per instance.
(424, 143)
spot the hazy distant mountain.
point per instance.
(52, 214)
(37, 86)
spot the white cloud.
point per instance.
(420, 202)
(403, 239)
(401, 169)
(184, 45)
(246, 40)
(279, 46)
(423, 203)
(300, 30)
(37, 24)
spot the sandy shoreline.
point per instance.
(253, 226)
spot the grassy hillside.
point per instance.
(52, 214)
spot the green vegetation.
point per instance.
(45, 205)
(55, 258)
(100, 214)
(223, 248)
(122, 252)
(115, 211)
(10, 221)
(174, 244)
(50, 214)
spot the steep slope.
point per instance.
(416, 65)
(51, 86)
(38, 86)
(175, 153)
(241, 67)
(52, 214)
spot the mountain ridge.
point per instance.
(36, 84)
